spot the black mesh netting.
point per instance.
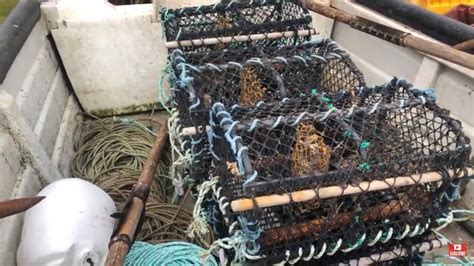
(236, 19)
(334, 173)
(251, 75)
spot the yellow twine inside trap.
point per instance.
(222, 23)
(310, 153)
(251, 89)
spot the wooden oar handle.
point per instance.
(11, 207)
(129, 224)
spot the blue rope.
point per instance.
(171, 253)
(429, 93)
(184, 79)
(250, 234)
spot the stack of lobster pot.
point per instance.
(297, 160)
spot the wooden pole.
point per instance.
(313, 227)
(443, 51)
(149, 168)
(135, 206)
(465, 46)
(238, 38)
(398, 37)
(11, 207)
(191, 131)
(246, 204)
(119, 249)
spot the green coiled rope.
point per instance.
(170, 254)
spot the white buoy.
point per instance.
(71, 226)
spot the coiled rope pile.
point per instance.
(111, 153)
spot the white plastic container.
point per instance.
(71, 226)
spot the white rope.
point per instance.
(404, 234)
(356, 245)
(180, 159)
(415, 231)
(311, 253)
(295, 260)
(326, 115)
(374, 108)
(232, 227)
(283, 262)
(336, 248)
(389, 235)
(351, 110)
(321, 252)
(376, 239)
(450, 218)
(198, 228)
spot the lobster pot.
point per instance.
(249, 76)
(237, 18)
(71, 226)
(316, 180)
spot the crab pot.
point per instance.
(236, 19)
(367, 167)
(248, 76)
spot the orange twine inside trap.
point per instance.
(310, 153)
(251, 89)
(222, 23)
